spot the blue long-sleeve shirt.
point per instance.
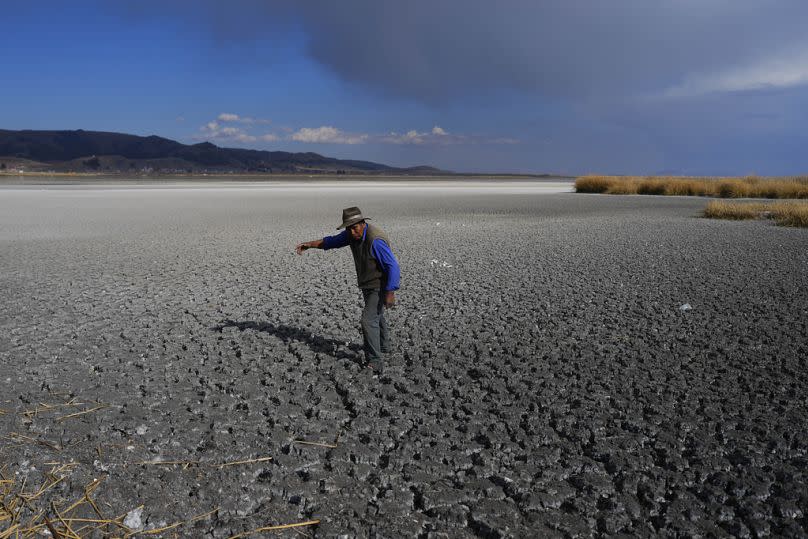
(379, 250)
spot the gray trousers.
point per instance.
(375, 333)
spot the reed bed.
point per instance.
(792, 187)
(784, 213)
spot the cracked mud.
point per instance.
(546, 379)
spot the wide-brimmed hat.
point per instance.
(351, 216)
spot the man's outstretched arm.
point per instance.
(314, 244)
(329, 242)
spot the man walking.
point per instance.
(377, 274)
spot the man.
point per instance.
(377, 274)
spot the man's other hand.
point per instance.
(300, 248)
(389, 298)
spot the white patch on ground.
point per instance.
(133, 519)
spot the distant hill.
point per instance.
(97, 151)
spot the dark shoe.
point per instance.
(376, 366)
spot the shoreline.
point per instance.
(58, 177)
(320, 187)
(561, 185)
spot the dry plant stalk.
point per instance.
(22, 438)
(184, 463)
(42, 407)
(249, 461)
(177, 524)
(275, 528)
(58, 522)
(188, 463)
(20, 518)
(62, 523)
(77, 414)
(319, 444)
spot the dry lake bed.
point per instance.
(565, 365)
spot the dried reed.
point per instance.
(77, 414)
(22, 517)
(24, 513)
(188, 463)
(318, 444)
(25, 516)
(746, 187)
(784, 213)
(275, 528)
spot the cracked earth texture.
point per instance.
(546, 380)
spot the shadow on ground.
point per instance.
(317, 343)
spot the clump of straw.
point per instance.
(746, 187)
(25, 512)
(783, 213)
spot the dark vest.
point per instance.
(368, 271)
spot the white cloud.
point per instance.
(410, 137)
(439, 136)
(327, 135)
(214, 131)
(783, 71)
(235, 118)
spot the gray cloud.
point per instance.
(633, 85)
(438, 50)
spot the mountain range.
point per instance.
(104, 152)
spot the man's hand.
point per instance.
(389, 298)
(313, 244)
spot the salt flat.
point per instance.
(548, 378)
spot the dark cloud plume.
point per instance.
(696, 86)
(438, 50)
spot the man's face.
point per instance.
(356, 231)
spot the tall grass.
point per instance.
(786, 213)
(747, 187)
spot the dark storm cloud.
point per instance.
(435, 50)
(439, 50)
(621, 85)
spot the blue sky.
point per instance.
(626, 86)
